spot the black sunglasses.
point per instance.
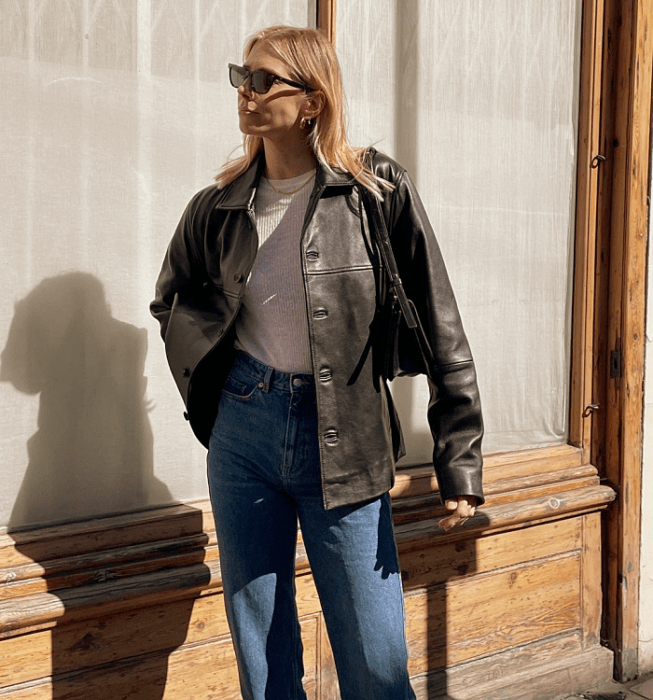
(260, 81)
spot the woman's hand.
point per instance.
(463, 507)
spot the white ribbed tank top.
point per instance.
(272, 325)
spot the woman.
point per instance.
(265, 299)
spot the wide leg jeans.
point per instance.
(264, 475)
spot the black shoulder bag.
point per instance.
(397, 338)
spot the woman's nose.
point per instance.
(246, 88)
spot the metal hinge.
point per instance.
(615, 364)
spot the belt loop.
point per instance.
(267, 379)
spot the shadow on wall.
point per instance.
(92, 452)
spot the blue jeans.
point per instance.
(264, 474)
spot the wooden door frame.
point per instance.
(610, 270)
(622, 235)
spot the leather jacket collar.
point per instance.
(240, 193)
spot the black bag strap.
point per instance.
(380, 233)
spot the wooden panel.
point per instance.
(150, 594)
(204, 672)
(116, 595)
(467, 599)
(592, 593)
(76, 645)
(430, 506)
(505, 665)
(447, 561)
(486, 614)
(88, 568)
(633, 333)
(531, 673)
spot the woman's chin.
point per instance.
(246, 126)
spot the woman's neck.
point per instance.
(284, 164)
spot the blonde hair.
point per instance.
(312, 60)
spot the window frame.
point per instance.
(608, 308)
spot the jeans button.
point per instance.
(297, 382)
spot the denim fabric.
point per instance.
(264, 475)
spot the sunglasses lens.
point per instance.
(237, 75)
(259, 82)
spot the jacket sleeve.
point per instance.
(454, 409)
(182, 268)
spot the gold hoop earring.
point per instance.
(302, 123)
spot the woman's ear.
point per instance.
(314, 105)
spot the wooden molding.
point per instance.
(126, 562)
(326, 17)
(582, 398)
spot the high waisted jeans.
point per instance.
(264, 474)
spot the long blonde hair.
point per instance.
(312, 60)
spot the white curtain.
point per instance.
(114, 112)
(478, 100)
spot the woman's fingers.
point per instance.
(463, 508)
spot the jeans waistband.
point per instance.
(271, 377)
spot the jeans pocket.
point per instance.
(241, 386)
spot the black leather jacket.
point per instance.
(198, 296)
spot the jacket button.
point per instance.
(238, 277)
(186, 372)
(312, 255)
(186, 416)
(325, 375)
(320, 313)
(331, 438)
